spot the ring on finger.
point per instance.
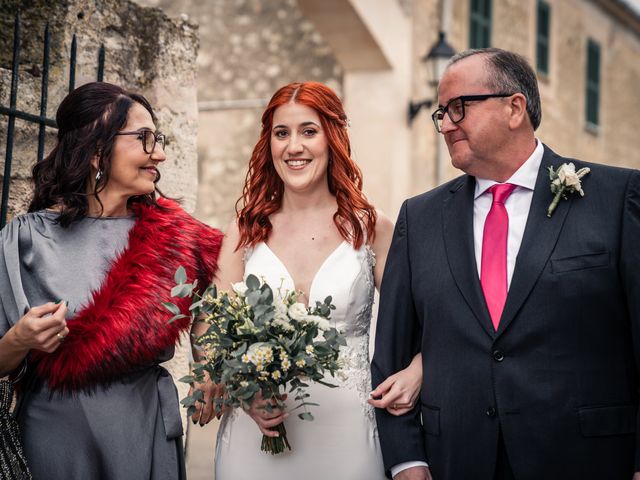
(61, 337)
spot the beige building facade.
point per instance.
(401, 160)
(371, 52)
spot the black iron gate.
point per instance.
(12, 112)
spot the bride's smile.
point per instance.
(299, 148)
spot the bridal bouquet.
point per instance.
(260, 342)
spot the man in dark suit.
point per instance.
(528, 324)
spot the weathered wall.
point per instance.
(145, 51)
(563, 125)
(250, 48)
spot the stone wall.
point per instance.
(249, 48)
(145, 51)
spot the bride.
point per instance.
(306, 225)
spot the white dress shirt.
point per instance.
(517, 206)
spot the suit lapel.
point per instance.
(540, 237)
(458, 241)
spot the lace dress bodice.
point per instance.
(342, 440)
(347, 276)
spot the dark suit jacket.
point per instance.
(560, 376)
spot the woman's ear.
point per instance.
(95, 160)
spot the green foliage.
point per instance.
(258, 342)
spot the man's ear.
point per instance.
(518, 111)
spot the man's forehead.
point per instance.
(468, 73)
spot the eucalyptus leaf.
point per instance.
(181, 275)
(176, 317)
(172, 307)
(182, 290)
(253, 298)
(252, 282)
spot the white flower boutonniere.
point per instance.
(565, 180)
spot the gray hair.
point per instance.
(509, 73)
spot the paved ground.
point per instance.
(201, 450)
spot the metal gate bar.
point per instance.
(12, 112)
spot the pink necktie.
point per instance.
(493, 270)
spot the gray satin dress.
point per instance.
(128, 430)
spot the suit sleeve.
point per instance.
(630, 269)
(398, 334)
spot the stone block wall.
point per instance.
(145, 51)
(249, 48)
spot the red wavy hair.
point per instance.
(263, 188)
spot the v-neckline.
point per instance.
(313, 280)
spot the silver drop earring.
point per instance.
(98, 175)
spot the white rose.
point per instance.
(568, 175)
(298, 311)
(240, 288)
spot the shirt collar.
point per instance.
(524, 177)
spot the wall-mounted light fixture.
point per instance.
(436, 60)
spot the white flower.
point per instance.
(323, 323)
(567, 175)
(298, 311)
(309, 349)
(565, 179)
(240, 288)
(260, 353)
(276, 375)
(280, 312)
(286, 364)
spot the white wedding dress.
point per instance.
(342, 441)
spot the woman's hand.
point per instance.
(398, 393)
(264, 418)
(42, 328)
(206, 411)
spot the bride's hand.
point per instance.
(398, 393)
(206, 411)
(266, 419)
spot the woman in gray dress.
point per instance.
(82, 279)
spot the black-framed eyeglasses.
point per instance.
(149, 139)
(455, 107)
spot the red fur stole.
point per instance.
(125, 326)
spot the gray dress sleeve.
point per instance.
(13, 301)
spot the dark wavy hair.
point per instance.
(88, 119)
(355, 218)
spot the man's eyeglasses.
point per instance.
(455, 107)
(149, 139)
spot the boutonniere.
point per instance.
(565, 180)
